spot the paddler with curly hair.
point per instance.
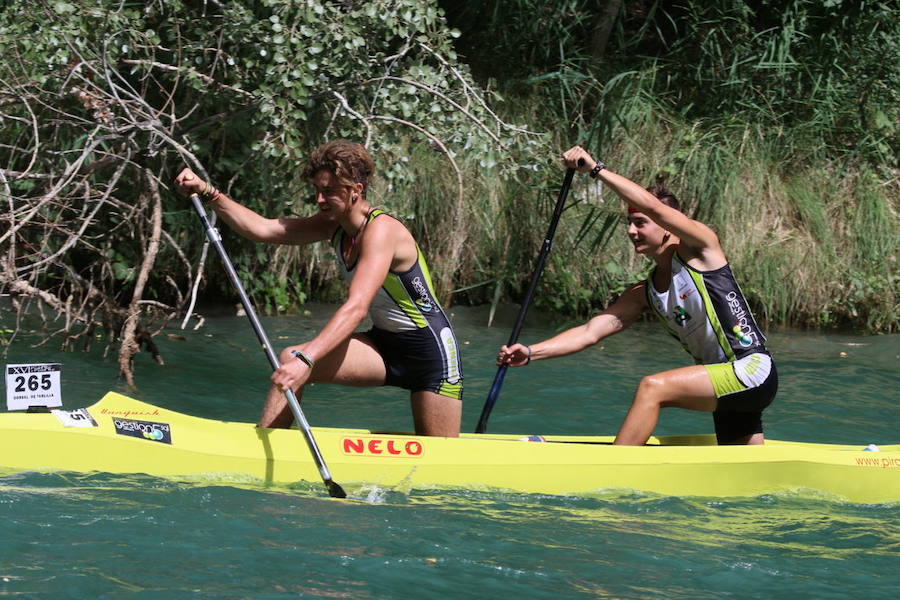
(411, 344)
(693, 292)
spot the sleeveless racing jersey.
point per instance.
(406, 301)
(707, 312)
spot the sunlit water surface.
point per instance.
(66, 535)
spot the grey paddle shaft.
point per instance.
(212, 233)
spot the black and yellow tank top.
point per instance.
(707, 312)
(406, 301)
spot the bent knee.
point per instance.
(651, 387)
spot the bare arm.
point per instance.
(379, 249)
(693, 234)
(618, 316)
(252, 225)
(384, 239)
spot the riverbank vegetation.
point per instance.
(775, 125)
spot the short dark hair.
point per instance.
(665, 196)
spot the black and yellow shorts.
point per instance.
(421, 360)
(744, 388)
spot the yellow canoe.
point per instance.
(129, 436)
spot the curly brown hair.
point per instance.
(348, 161)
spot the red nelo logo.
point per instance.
(382, 447)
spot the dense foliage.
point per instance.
(775, 122)
(820, 74)
(103, 102)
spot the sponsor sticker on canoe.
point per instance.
(146, 430)
(882, 462)
(382, 446)
(80, 417)
(127, 413)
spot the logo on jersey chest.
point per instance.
(680, 315)
(684, 288)
(743, 329)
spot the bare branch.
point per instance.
(209, 80)
(129, 346)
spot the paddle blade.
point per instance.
(335, 489)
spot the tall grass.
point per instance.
(749, 115)
(813, 244)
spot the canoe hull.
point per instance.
(134, 437)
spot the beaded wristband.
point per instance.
(596, 170)
(209, 192)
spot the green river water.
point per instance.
(67, 535)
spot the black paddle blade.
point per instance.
(335, 489)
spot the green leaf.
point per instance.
(122, 271)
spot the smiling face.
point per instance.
(646, 235)
(334, 198)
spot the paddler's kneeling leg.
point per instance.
(354, 362)
(687, 387)
(276, 413)
(744, 389)
(436, 414)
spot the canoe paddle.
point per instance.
(212, 234)
(520, 319)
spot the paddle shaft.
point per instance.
(334, 489)
(520, 319)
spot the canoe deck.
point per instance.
(130, 436)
